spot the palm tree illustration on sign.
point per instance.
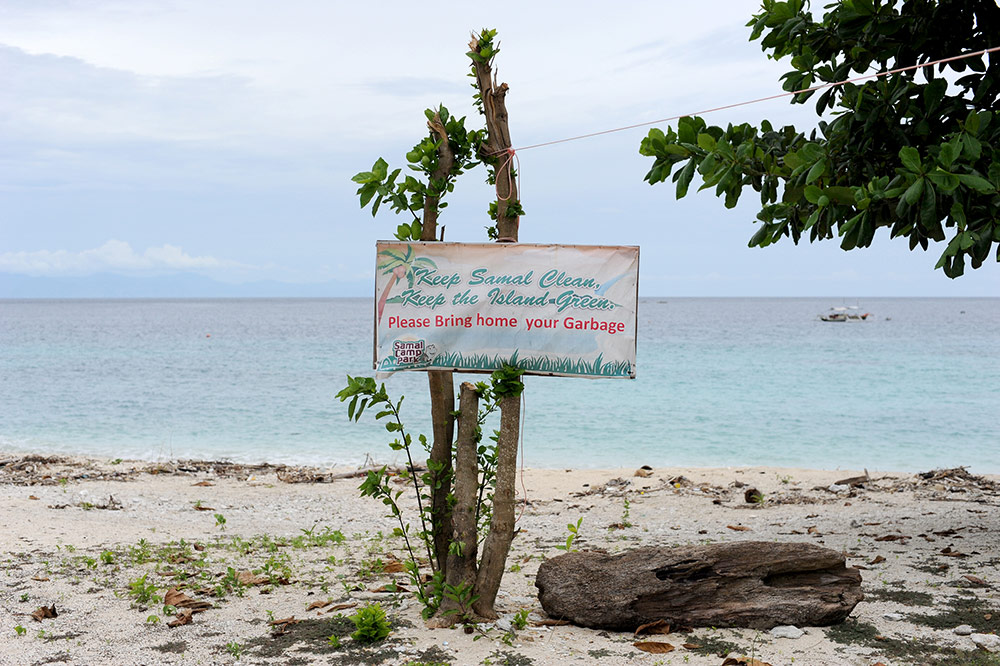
(401, 265)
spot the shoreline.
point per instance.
(919, 539)
(168, 461)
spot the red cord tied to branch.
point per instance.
(511, 156)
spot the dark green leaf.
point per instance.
(978, 183)
(910, 158)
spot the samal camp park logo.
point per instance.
(408, 351)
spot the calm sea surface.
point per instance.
(720, 382)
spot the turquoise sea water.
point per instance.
(720, 382)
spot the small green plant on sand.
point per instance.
(520, 620)
(108, 557)
(20, 631)
(220, 521)
(371, 623)
(574, 532)
(235, 649)
(142, 592)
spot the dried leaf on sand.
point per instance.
(657, 627)
(44, 612)
(178, 599)
(183, 617)
(655, 647)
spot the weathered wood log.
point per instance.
(756, 584)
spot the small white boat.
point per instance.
(845, 313)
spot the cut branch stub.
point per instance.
(441, 174)
(747, 584)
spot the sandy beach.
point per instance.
(101, 543)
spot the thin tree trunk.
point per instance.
(497, 146)
(461, 571)
(440, 382)
(442, 389)
(497, 543)
(497, 149)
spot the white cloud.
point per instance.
(113, 256)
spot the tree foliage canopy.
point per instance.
(917, 152)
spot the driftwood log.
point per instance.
(756, 584)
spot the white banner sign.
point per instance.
(565, 310)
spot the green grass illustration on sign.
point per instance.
(532, 364)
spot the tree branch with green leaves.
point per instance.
(916, 153)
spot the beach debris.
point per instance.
(250, 579)
(655, 647)
(281, 626)
(657, 627)
(645, 471)
(37, 470)
(393, 565)
(339, 607)
(948, 552)
(615, 487)
(318, 604)
(975, 580)
(183, 617)
(893, 617)
(44, 612)
(878, 559)
(42, 579)
(679, 482)
(739, 528)
(988, 642)
(174, 597)
(854, 481)
(391, 588)
(744, 661)
(755, 584)
(787, 631)
(753, 496)
(962, 630)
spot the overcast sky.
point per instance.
(219, 138)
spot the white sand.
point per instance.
(52, 550)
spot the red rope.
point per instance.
(759, 99)
(511, 155)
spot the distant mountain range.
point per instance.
(181, 285)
